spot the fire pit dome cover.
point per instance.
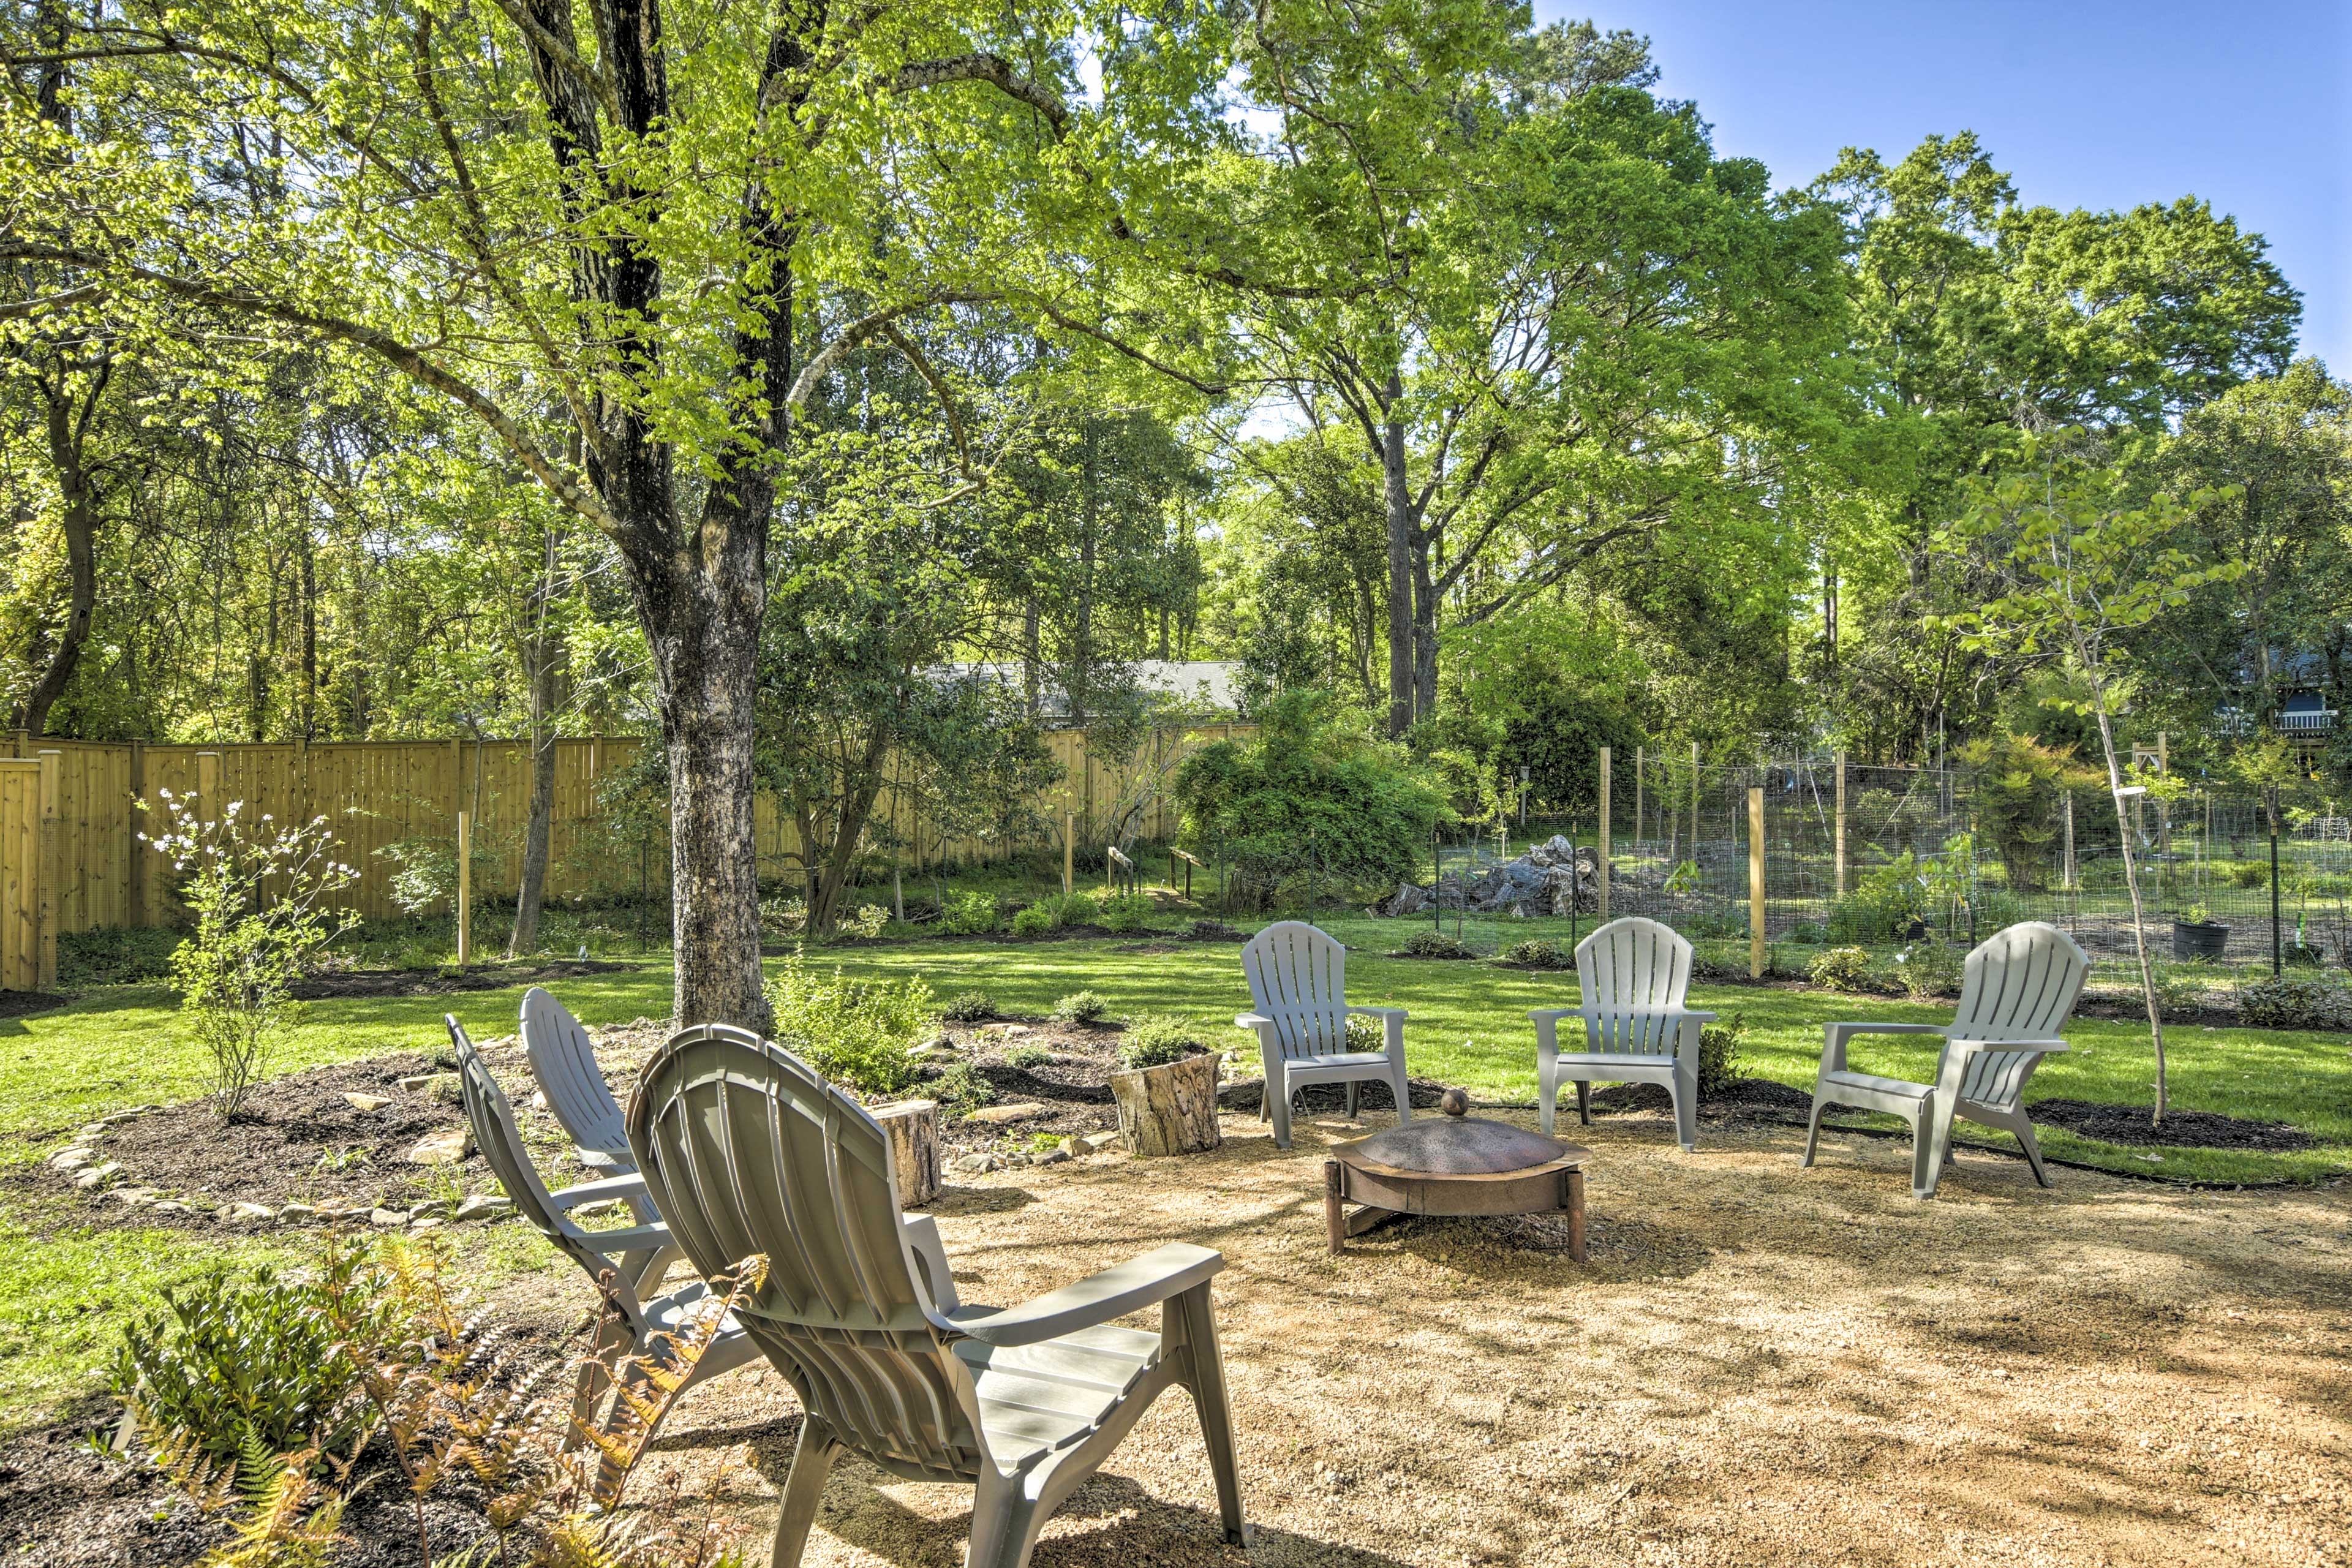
(1458, 1146)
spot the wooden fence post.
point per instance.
(1069, 849)
(465, 885)
(1840, 765)
(1601, 890)
(2070, 840)
(1693, 854)
(1755, 883)
(208, 772)
(1639, 758)
(52, 875)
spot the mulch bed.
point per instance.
(2135, 1124)
(298, 1139)
(1742, 1098)
(336, 983)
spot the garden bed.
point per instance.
(340, 983)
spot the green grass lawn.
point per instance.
(67, 1288)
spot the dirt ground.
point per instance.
(1758, 1364)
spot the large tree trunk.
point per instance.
(1399, 496)
(68, 426)
(1425, 631)
(704, 676)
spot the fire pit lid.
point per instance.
(1457, 1146)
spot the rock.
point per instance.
(92, 1176)
(388, 1219)
(1095, 1142)
(539, 1100)
(1053, 1156)
(598, 1210)
(72, 1159)
(973, 1164)
(241, 1212)
(998, 1115)
(90, 1129)
(446, 1146)
(484, 1205)
(367, 1101)
(932, 1052)
(1014, 1031)
(296, 1214)
(135, 1197)
(171, 1205)
(418, 1225)
(439, 1087)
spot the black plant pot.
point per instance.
(2199, 939)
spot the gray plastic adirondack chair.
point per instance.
(1298, 980)
(749, 1151)
(1633, 975)
(2016, 994)
(627, 1263)
(564, 1063)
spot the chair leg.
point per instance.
(803, 1488)
(1931, 1142)
(1352, 1099)
(1547, 1091)
(1814, 1130)
(1277, 1100)
(1685, 1090)
(1584, 1102)
(2025, 1131)
(1005, 1521)
(1403, 1093)
(1205, 1377)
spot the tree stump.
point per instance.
(914, 1129)
(1171, 1109)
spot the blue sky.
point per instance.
(2086, 103)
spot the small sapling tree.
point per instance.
(2078, 562)
(257, 895)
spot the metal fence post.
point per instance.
(1755, 882)
(1693, 854)
(1840, 884)
(2270, 800)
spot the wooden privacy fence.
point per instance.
(70, 817)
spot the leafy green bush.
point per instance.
(1081, 1007)
(1929, 969)
(2250, 874)
(969, 914)
(783, 916)
(1719, 1054)
(1885, 902)
(866, 924)
(114, 955)
(959, 1086)
(858, 1032)
(1809, 933)
(245, 1364)
(1846, 969)
(1429, 943)
(1316, 793)
(2296, 1001)
(1366, 1034)
(1541, 953)
(1155, 1040)
(1125, 912)
(1035, 919)
(968, 1006)
(1028, 1056)
(1214, 931)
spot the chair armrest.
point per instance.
(1253, 1021)
(1376, 1011)
(1890, 1029)
(923, 1236)
(635, 1238)
(1169, 1270)
(1960, 1047)
(622, 1187)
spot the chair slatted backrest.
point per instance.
(491, 1115)
(1634, 974)
(2021, 983)
(564, 1062)
(1298, 978)
(748, 1150)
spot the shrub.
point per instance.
(783, 916)
(1214, 931)
(959, 1086)
(1155, 1040)
(1809, 933)
(1071, 909)
(1929, 969)
(1845, 969)
(1125, 912)
(2250, 874)
(1885, 902)
(1366, 1034)
(245, 1364)
(1539, 954)
(1432, 943)
(1036, 920)
(969, 914)
(968, 1006)
(858, 1032)
(1028, 1056)
(257, 892)
(866, 924)
(1318, 791)
(2296, 1001)
(1081, 1007)
(1719, 1054)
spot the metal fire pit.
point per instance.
(1453, 1164)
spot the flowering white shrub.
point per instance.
(257, 891)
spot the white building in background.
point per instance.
(1197, 682)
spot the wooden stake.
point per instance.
(1755, 884)
(1640, 823)
(465, 885)
(1693, 854)
(1840, 765)
(1601, 890)
(50, 873)
(1069, 851)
